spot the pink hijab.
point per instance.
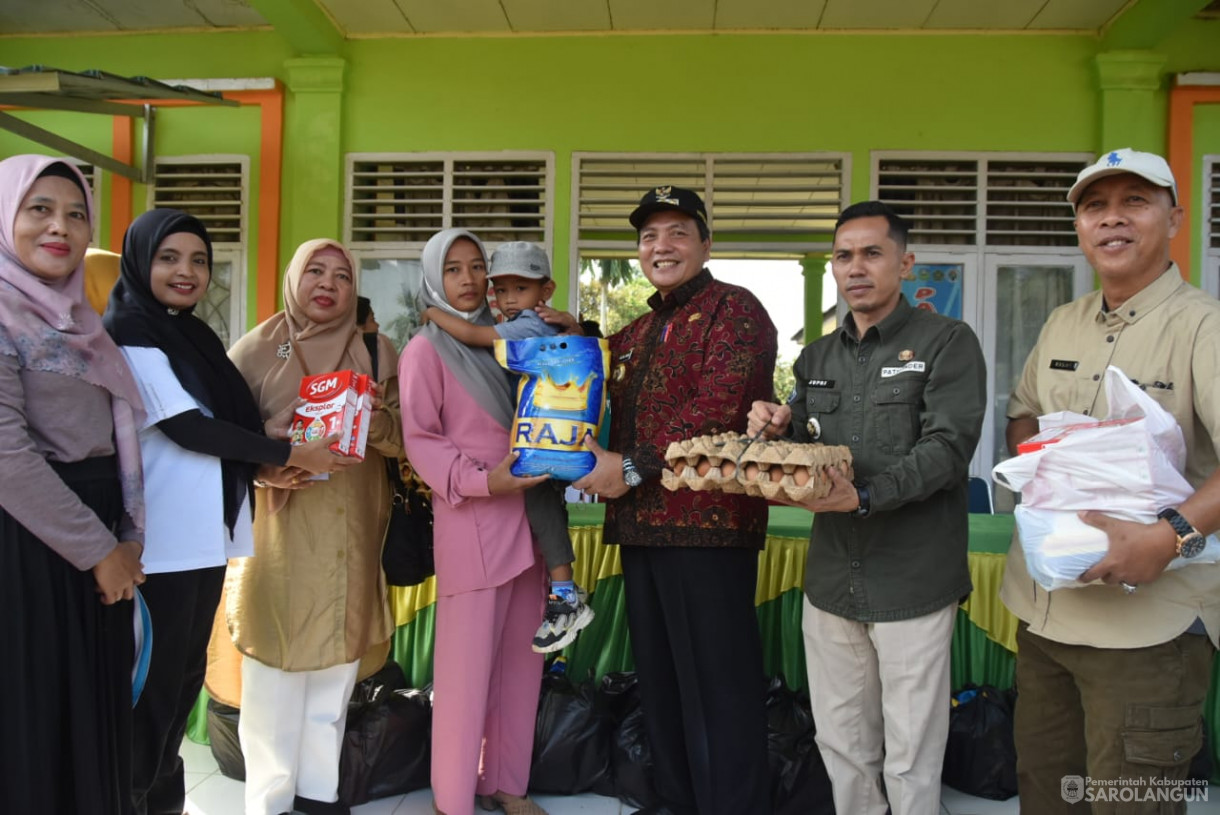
(51, 327)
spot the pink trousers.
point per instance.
(485, 694)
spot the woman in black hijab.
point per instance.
(202, 442)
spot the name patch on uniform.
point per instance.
(914, 365)
(1064, 364)
(821, 383)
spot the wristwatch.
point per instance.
(1190, 540)
(631, 476)
(866, 500)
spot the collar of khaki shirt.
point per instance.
(1143, 301)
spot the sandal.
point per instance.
(511, 806)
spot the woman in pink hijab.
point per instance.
(71, 509)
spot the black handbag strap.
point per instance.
(370, 342)
(397, 487)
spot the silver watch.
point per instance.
(631, 476)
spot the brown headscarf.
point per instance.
(287, 346)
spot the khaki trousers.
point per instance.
(880, 694)
(1108, 714)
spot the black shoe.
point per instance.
(309, 806)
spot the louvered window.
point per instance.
(981, 199)
(212, 189)
(91, 176)
(785, 201)
(1027, 203)
(1211, 204)
(93, 180)
(939, 198)
(405, 198)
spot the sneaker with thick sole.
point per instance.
(562, 622)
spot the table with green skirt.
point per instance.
(984, 638)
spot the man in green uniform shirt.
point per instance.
(905, 389)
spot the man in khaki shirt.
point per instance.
(1113, 677)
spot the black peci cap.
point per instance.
(667, 197)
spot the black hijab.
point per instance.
(135, 317)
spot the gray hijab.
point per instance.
(475, 368)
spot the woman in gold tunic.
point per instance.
(312, 601)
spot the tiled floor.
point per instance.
(210, 793)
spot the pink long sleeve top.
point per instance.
(481, 540)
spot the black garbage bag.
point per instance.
(789, 717)
(631, 760)
(799, 783)
(802, 786)
(630, 752)
(222, 733)
(617, 695)
(980, 756)
(387, 748)
(389, 679)
(571, 739)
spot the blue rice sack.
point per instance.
(560, 399)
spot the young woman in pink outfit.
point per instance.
(457, 404)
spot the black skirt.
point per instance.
(65, 684)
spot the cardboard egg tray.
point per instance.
(767, 468)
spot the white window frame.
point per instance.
(411, 250)
(597, 248)
(93, 175)
(983, 158)
(236, 252)
(981, 260)
(1082, 283)
(1209, 278)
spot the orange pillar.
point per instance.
(120, 186)
(1181, 157)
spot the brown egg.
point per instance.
(777, 474)
(679, 466)
(703, 466)
(751, 471)
(801, 476)
(728, 469)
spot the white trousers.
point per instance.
(880, 694)
(291, 731)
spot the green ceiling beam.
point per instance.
(1147, 22)
(302, 24)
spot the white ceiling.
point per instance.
(379, 18)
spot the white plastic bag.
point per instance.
(1129, 466)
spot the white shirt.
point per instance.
(184, 525)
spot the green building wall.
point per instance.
(650, 93)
